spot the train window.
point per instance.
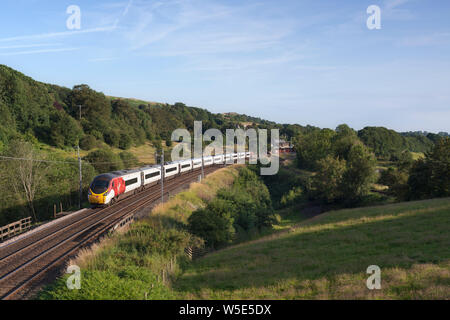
(130, 182)
(185, 166)
(100, 185)
(171, 169)
(152, 175)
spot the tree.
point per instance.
(26, 175)
(396, 180)
(125, 141)
(360, 173)
(326, 184)
(88, 142)
(129, 160)
(312, 147)
(214, 226)
(104, 160)
(64, 130)
(343, 141)
(430, 177)
(112, 137)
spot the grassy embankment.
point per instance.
(326, 257)
(140, 262)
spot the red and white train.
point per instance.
(108, 188)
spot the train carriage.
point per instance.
(152, 175)
(207, 161)
(196, 163)
(185, 165)
(171, 169)
(218, 159)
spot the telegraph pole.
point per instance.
(80, 200)
(81, 177)
(203, 172)
(162, 176)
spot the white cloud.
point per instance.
(37, 51)
(57, 34)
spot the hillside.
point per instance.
(326, 257)
(42, 121)
(51, 113)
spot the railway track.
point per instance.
(25, 262)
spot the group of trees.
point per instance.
(387, 144)
(428, 177)
(105, 160)
(244, 209)
(343, 166)
(32, 185)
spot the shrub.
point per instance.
(125, 141)
(129, 160)
(104, 160)
(430, 177)
(214, 227)
(294, 195)
(88, 142)
(326, 184)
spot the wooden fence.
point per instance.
(14, 228)
(194, 253)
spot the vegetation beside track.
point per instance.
(140, 263)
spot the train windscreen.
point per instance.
(100, 185)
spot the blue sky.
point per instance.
(304, 61)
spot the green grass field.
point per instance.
(326, 257)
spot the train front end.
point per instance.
(100, 190)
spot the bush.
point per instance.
(125, 141)
(104, 160)
(129, 160)
(327, 182)
(396, 181)
(112, 138)
(244, 209)
(214, 227)
(430, 177)
(360, 173)
(64, 130)
(88, 142)
(294, 195)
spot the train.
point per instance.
(108, 188)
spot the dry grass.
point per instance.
(184, 203)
